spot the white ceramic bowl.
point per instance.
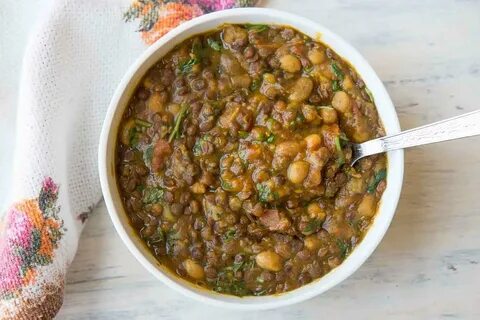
(119, 103)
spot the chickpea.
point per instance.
(287, 149)
(290, 63)
(269, 260)
(236, 185)
(234, 203)
(193, 269)
(347, 83)
(155, 102)
(241, 81)
(367, 206)
(316, 56)
(315, 211)
(198, 188)
(310, 114)
(314, 141)
(341, 102)
(298, 171)
(301, 89)
(329, 115)
(312, 243)
(157, 209)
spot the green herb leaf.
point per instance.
(271, 139)
(200, 145)
(157, 237)
(186, 66)
(256, 83)
(229, 235)
(178, 121)
(257, 27)
(265, 194)
(215, 45)
(337, 71)
(243, 134)
(344, 247)
(234, 286)
(308, 70)
(340, 154)
(336, 86)
(225, 185)
(152, 195)
(312, 226)
(142, 123)
(379, 176)
(237, 266)
(148, 155)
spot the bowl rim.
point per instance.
(386, 208)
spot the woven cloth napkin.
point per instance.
(74, 60)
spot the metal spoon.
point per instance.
(465, 125)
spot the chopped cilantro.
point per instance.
(152, 195)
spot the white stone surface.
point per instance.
(428, 265)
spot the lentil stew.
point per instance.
(233, 160)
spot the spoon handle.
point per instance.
(465, 125)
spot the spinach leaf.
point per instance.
(379, 176)
(142, 123)
(257, 27)
(337, 71)
(336, 86)
(215, 45)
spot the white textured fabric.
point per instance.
(74, 61)
(75, 58)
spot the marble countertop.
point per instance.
(428, 265)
